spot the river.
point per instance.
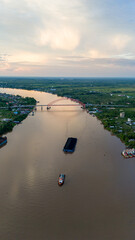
(96, 202)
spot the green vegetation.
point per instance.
(11, 112)
(106, 98)
(121, 127)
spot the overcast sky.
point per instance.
(82, 38)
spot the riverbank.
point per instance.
(121, 126)
(112, 101)
(11, 112)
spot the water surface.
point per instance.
(96, 202)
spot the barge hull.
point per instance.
(70, 145)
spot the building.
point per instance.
(122, 114)
(129, 120)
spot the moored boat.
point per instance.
(61, 179)
(128, 153)
(3, 140)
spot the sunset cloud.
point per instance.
(120, 41)
(27, 58)
(65, 37)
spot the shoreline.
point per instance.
(11, 113)
(87, 109)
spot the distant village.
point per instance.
(117, 119)
(11, 112)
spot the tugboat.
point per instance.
(3, 140)
(61, 179)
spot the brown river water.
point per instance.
(97, 201)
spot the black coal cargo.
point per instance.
(70, 145)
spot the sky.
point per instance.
(67, 38)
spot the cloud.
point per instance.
(120, 41)
(65, 38)
(27, 58)
(22, 61)
(84, 34)
(3, 57)
(114, 61)
(93, 53)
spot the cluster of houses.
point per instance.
(11, 99)
(121, 95)
(95, 110)
(14, 101)
(129, 120)
(16, 112)
(20, 111)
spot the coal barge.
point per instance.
(3, 140)
(70, 145)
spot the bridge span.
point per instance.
(51, 104)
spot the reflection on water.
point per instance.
(97, 200)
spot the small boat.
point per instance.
(128, 153)
(61, 179)
(3, 140)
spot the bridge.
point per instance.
(51, 104)
(55, 103)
